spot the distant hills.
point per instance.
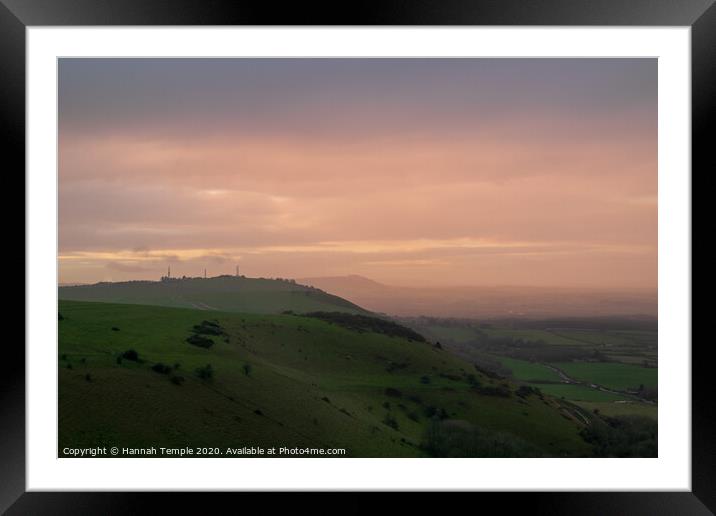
(488, 302)
(224, 293)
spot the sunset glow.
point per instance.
(407, 171)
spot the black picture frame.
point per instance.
(17, 15)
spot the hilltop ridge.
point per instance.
(225, 293)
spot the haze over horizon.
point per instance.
(425, 172)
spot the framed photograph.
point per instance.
(439, 247)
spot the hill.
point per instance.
(225, 293)
(488, 302)
(141, 376)
(352, 283)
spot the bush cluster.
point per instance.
(488, 390)
(198, 340)
(622, 436)
(525, 390)
(161, 368)
(462, 439)
(208, 328)
(359, 322)
(394, 393)
(131, 355)
(206, 372)
(390, 421)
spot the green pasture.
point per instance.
(529, 371)
(277, 380)
(611, 374)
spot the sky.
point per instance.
(427, 172)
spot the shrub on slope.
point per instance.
(362, 323)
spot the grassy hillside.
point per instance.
(285, 380)
(224, 293)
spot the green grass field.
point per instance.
(536, 373)
(610, 374)
(309, 383)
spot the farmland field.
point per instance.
(602, 352)
(611, 375)
(550, 382)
